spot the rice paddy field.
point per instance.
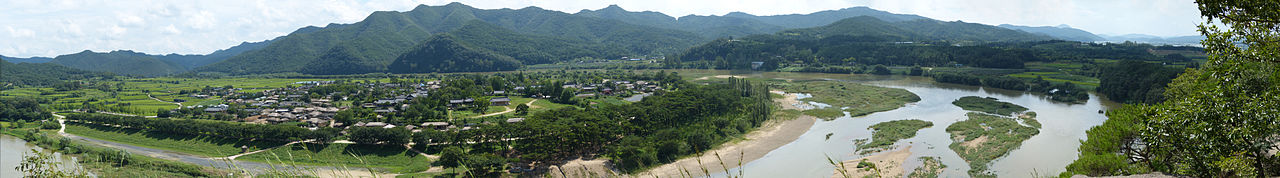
(136, 95)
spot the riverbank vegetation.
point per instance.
(857, 99)
(988, 105)
(391, 158)
(210, 146)
(108, 162)
(887, 133)
(1219, 120)
(930, 167)
(983, 138)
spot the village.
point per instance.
(385, 105)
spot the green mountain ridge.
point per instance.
(40, 74)
(123, 62)
(443, 53)
(379, 39)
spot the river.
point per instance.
(12, 150)
(1046, 153)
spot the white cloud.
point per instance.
(200, 27)
(19, 32)
(172, 30)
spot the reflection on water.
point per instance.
(12, 150)
(1047, 153)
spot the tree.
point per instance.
(162, 113)
(522, 109)
(451, 157)
(880, 70)
(1222, 119)
(480, 106)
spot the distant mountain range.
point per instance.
(1061, 32)
(528, 36)
(1140, 38)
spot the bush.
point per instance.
(50, 125)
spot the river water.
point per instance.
(1047, 153)
(12, 150)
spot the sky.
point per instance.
(48, 28)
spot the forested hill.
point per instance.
(40, 74)
(119, 62)
(127, 62)
(383, 36)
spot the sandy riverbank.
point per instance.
(887, 164)
(770, 136)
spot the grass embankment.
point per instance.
(393, 158)
(196, 145)
(983, 138)
(109, 162)
(930, 168)
(988, 105)
(886, 133)
(858, 98)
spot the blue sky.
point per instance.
(55, 27)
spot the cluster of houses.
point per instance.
(293, 104)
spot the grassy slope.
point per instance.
(394, 158)
(987, 105)
(1003, 135)
(860, 99)
(195, 145)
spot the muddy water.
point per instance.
(1047, 153)
(12, 150)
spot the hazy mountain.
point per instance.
(1143, 38)
(378, 40)
(1063, 32)
(26, 60)
(741, 24)
(914, 30)
(40, 74)
(826, 17)
(188, 62)
(134, 63)
(706, 26)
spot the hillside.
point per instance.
(1061, 32)
(443, 53)
(375, 42)
(40, 74)
(120, 62)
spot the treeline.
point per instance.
(1133, 81)
(780, 51)
(207, 127)
(21, 109)
(1063, 92)
(654, 131)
